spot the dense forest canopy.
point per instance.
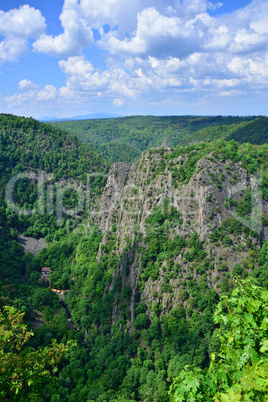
(136, 283)
(124, 138)
(36, 148)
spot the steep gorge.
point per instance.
(144, 271)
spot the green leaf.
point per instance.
(192, 383)
(230, 397)
(264, 348)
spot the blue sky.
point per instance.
(73, 57)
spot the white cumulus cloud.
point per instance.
(17, 25)
(154, 50)
(82, 77)
(77, 34)
(11, 48)
(26, 85)
(48, 93)
(253, 69)
(25, 21)
(32, 94)
(121, 14)
(156, 35)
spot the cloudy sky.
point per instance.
(68, 57)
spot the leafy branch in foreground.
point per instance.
(239, 372)
(24, 370)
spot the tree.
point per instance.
(24, 371)
(239, 372)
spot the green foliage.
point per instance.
(24, 370)
(27, 145)
(43, 297)
(112, 362)
(183, 160)
(239, 371)
(123, 139)
(140, 321)
(196, 251)
(230, 226)
(255, 132)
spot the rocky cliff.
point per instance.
(205, 204)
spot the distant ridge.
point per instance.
(80, 117)
(125, 138)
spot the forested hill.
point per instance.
(26, 143)
(255, 132)
(29, 146)
(123, 139)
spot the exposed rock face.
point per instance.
(113, 192)
(30, 244)
(131, 194)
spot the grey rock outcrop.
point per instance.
(29, 244)
(133, 192)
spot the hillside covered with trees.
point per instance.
(148, 279)
(124, 139)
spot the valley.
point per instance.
(149, 223)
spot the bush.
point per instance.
(140, 321)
